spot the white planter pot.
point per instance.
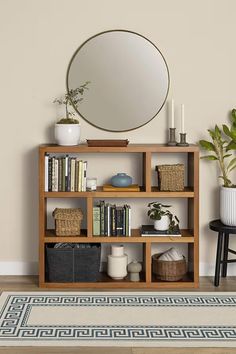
(67, 134)
(162, 224)
(228, 206)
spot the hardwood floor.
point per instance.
(30, 283)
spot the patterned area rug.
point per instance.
(118, 319)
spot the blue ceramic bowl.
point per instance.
(121, 180)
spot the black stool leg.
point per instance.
(218, 258)
(225, 256)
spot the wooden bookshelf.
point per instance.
(189, 236)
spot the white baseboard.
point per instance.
(18, 268)
(31, 268)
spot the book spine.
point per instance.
(113, 220)
(81, 172)
(50, 174)
(105, 220)
(129, 221)
(59, 174)
(119, 224)
(66, 173)
(46, 157)
(56, 175)
(85, 163)
(63, 174)
(53, 174)
(96, 220)
(72, 181)
(76, 175)
(102, 225)
(123, 222)
(69, 174)
(126, 220)
(109, 220)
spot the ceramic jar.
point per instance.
(121, 180)
(67, 134)
(134, 268)
(117, 263)
(162, 224)
(228, 206)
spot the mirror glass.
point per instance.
(129, 80)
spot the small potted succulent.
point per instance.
(163, 218)
(220, 148)
(67, 129)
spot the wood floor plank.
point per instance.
(65, 350)
(183, 350)
(30, 283)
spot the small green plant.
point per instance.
(71, 99)
(157, 210)
(220, 146)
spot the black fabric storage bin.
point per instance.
(73, 264)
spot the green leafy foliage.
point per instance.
(207, 145)
(220, 146)
(71, 99)
(157, 210)
(68, 121)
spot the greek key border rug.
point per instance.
(125, 319)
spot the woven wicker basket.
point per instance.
(67, 221)
(168, 270)
(170, 177)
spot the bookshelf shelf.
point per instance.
(189, 236)
(50, 237)
(154, 193)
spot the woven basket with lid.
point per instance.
(67, 221)
(170, 177)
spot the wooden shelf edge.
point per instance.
(99, 193)
(120, 285)
(187, 237)
(135, 148)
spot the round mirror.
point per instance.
(129, 80)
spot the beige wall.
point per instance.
(38, 38)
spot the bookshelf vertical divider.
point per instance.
(190, 236)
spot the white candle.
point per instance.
(172, 113)
(182, 118)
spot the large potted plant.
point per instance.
(221, 146)
(163, 218)
(67, 129)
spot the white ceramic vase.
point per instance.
(117, 263)
(67, 134)
(162, 224)
(228, 206)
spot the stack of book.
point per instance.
(65, 174)
(111, 220)
(148, 230)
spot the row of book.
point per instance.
(111, 220)
(65, 174)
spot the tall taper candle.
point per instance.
(172, 113)
(182, 118)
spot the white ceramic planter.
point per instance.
(67, 134)
(228, 206)
(162, 224)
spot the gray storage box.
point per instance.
(73, 264)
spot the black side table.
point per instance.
(223, 236)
